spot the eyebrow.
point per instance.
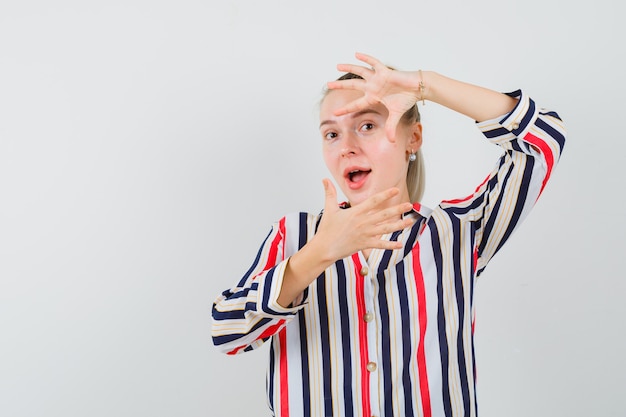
(352, 116)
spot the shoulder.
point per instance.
(296, 229)
(299, 220)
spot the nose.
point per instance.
(350, 146)
(347, 151)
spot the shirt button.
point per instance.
(368, 317)
(515, 126)
(364, 271)
(371, 366)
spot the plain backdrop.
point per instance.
(146, 147)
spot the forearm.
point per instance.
(246, 315)
(302, 269)
(476, 102)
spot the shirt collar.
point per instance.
(421, 210)
(418, 209)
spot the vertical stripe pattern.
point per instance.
(391, 335)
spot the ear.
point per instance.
(415, 139)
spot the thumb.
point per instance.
(330, 194)
(391, 126)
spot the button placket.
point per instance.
(369, 317)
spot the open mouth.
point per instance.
(357, 175)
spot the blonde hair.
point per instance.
(416, 178)
(416, 174)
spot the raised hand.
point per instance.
(398, 91)
(341, 233)
(346, 231)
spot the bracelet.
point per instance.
(421, 86)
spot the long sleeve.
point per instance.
(391, 334)
(245, 316)
(532, 139)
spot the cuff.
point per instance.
(269, 290)
(513, 125)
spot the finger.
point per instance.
(368, 59)
(391, 213)
(350, 84)
(391, 125)
(356, 69)
(353, 106)
(389, 221)
(330, 195)
(377, 199)
(393, 226)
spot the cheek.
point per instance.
(329, 158)
(387, 152)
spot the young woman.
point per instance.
(369, 304)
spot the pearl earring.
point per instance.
(412, 157)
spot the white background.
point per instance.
(147, 146)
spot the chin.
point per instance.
(356, 199)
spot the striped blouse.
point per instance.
(391, 335)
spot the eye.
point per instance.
(330, 135)
(367, 126)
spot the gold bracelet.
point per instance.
(421, 85)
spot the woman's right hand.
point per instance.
(343, 232)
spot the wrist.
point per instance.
(318, 252)
(426, 81)
(422, 87)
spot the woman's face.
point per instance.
(357, 152)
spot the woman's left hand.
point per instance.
(398, 91)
